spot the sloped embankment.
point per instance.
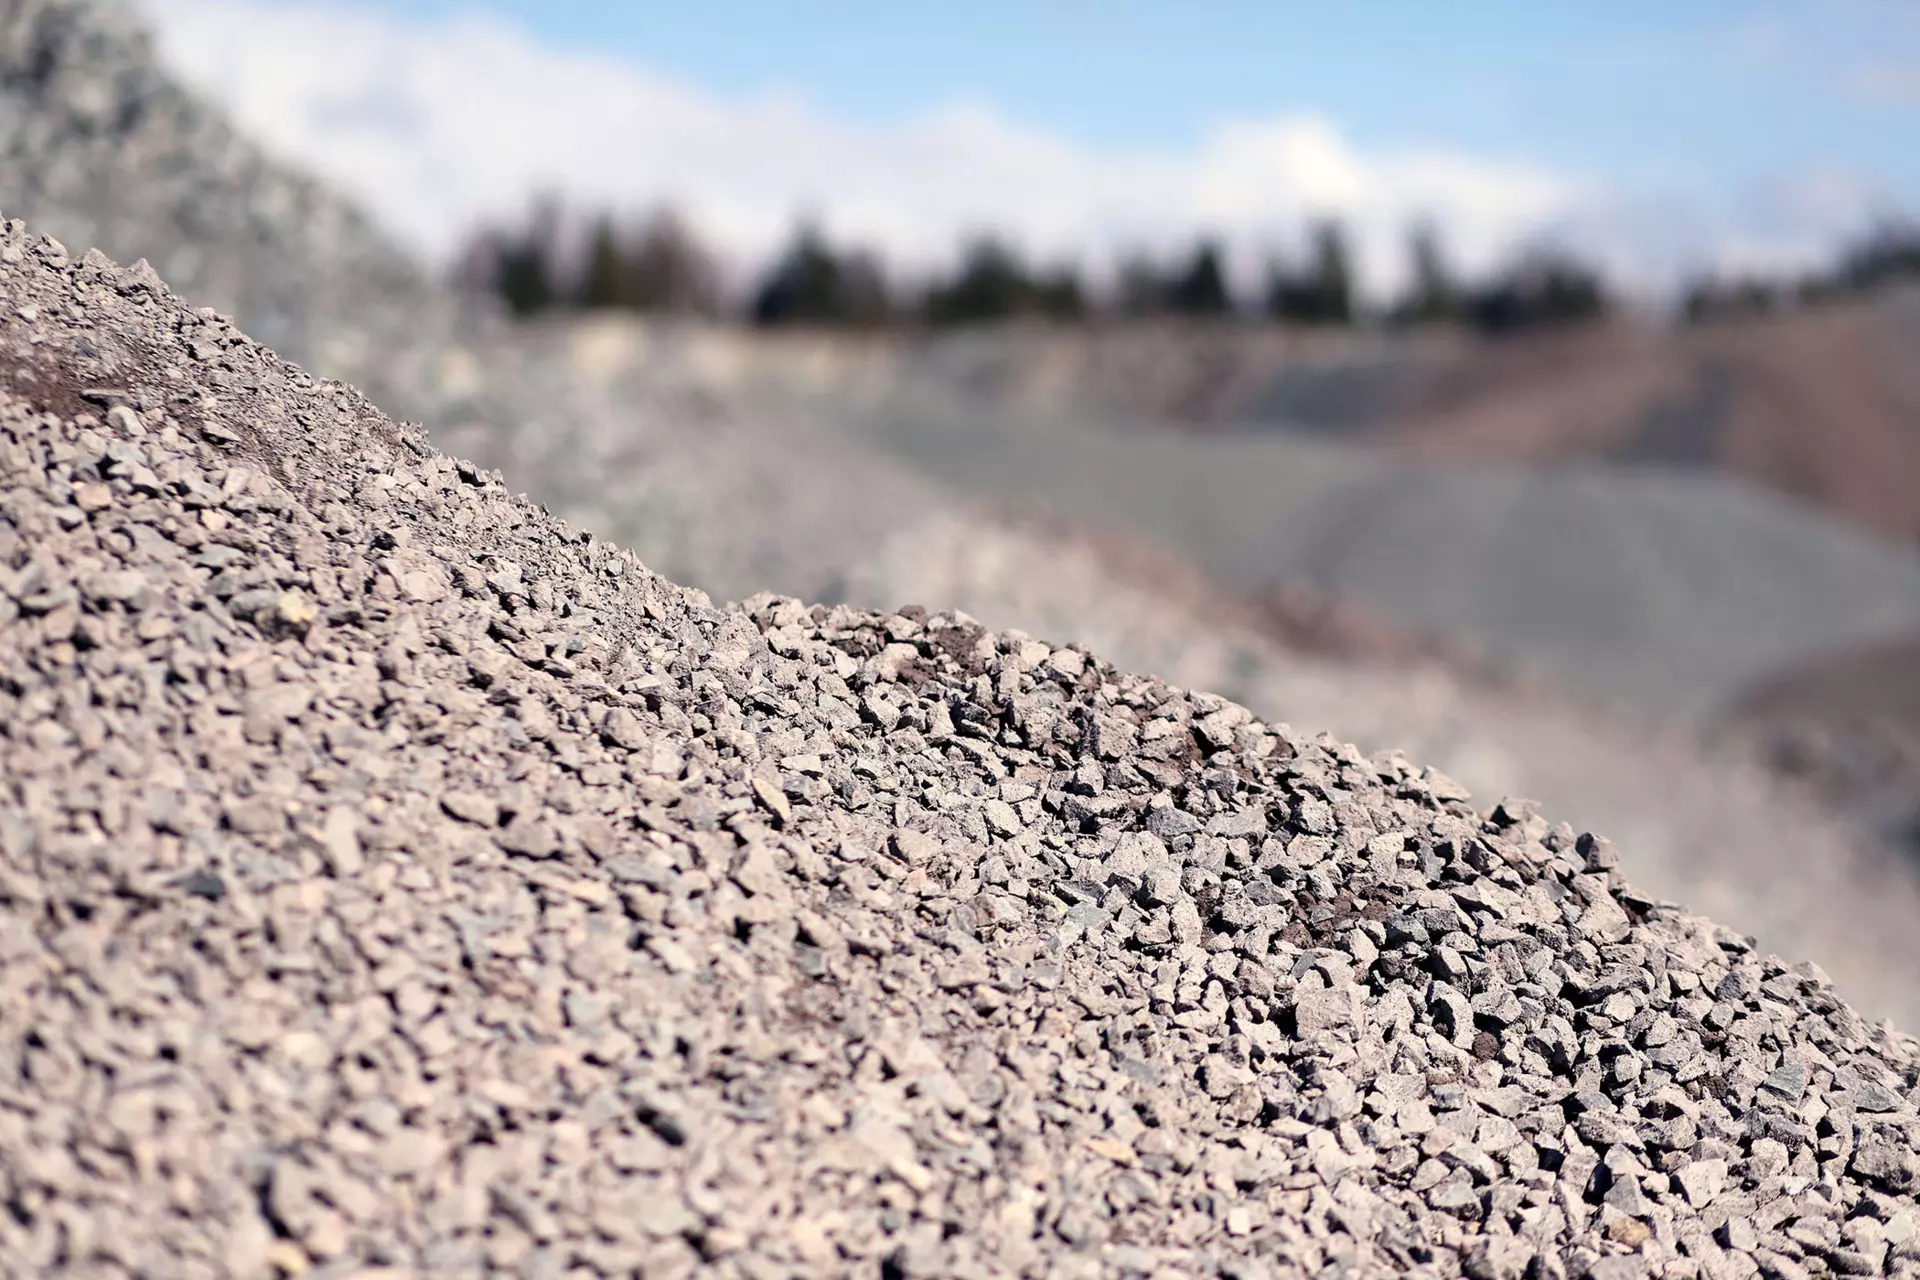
(393, 875)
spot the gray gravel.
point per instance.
(396, 880)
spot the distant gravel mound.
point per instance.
(394, 876)
(104, 149)
(1847, 726)
(1817, 403)
(1664, 590)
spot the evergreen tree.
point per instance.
(1718, 298)
(669, 270)
(660, 267)
(1201, 289)
(1059, 296)
(991, 284)
(1141, 288)
(803, 286)
(1432, 296)
(811, 284)
(518, 264)
(1543, 287)
(605, 282)
(1322, 293)
(864, 298)
(1332, 273)
(525, 280)
(1889, 252)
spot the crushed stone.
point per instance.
(395, 877)
(100, 146)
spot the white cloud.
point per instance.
(437, 125)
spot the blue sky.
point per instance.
(1659, 137)
(1705, 91)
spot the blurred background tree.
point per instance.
(605, 283)
(659, 267)
(1140, 287)
(658, 264)
(1321, 291)
(1200, 289)
(518, 263)
(1719, 296)
(812, 283)
(1544, 286)
(1432, 295)
(993, 284)
(1888, 253)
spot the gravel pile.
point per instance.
(737, 495)
(1716, 834)
(396, 880)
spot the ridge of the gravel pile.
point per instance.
(392, 876)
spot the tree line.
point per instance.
(1887, 253)
(658, 264)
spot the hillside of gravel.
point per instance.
(393, 876)
(1709, 833)
(740, 494)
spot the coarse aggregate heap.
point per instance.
(394, 877)
(734, 484)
